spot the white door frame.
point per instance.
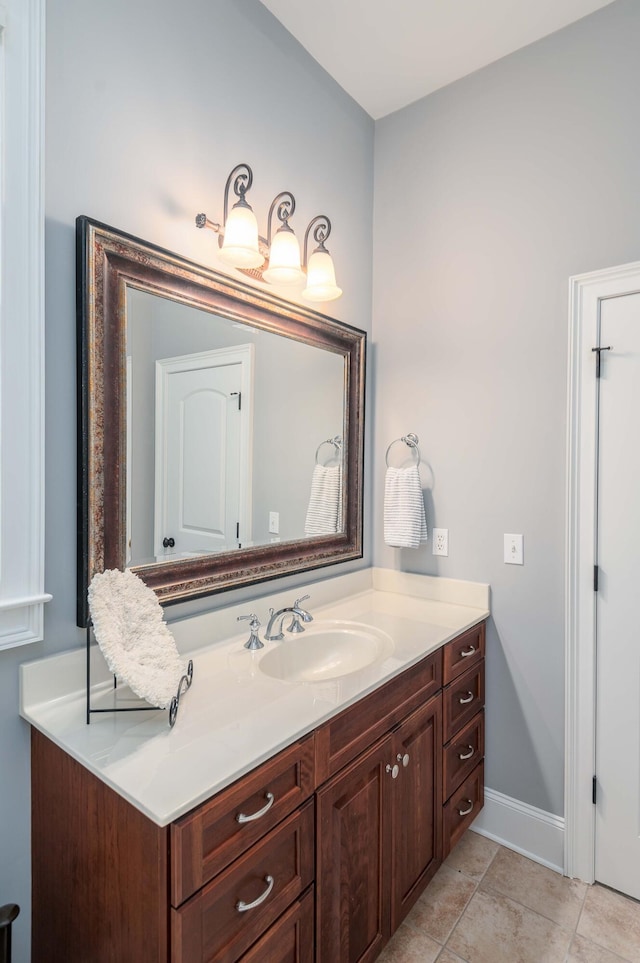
(244, 355)
(586, 292)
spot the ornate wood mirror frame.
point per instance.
(108, 263)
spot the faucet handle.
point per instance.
(254, 621)
(253, 642)
(298, 601)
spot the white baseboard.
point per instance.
(523, 828)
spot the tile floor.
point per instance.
(487, 904)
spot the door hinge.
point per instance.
(237, 529)
(238, 394)
(595, 578)
(598, 355)
(594, 789)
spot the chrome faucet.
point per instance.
(274, 631)
(253, 642)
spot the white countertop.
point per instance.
(234, 717)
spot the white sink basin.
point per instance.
(326, 650)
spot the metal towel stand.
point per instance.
(183, 685)
(8, 914)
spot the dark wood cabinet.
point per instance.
(379, 838)
(416, 809)
(353, 849)
(316, 856)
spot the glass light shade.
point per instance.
(240, 242)
(284, 259)
(321, 278)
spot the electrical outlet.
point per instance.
(441, 541)
(274, 523)
(514, 549)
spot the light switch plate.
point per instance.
(274, 523)
(514, 549)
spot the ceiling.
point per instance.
(388, 54)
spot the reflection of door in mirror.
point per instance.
(203, 444)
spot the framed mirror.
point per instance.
(220, 428)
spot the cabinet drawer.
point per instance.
(351, 732)
(212, 925)
(462, 754)
(462, 808)
(207, 840)
(461, 653)
(290, 939)
(462, 699)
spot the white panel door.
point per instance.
(200, 474)
(618, 624)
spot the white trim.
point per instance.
(586, 292)
(523, 828)
(22, 325)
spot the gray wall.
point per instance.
(149, 106)
(489, 194)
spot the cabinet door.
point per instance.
(290, 940)
(352, 852)
(416, 806)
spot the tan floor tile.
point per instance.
(473, 854)
(584, 951)
(540, 889)
(448, 957)
(409, 946)
(611, 921)
(494, 929)
(442, 903)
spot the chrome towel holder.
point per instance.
(411, 440)
(336, 441)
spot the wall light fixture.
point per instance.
(276, 258)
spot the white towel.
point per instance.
(324, 514)
(405, 525)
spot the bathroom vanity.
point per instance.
(201, 844)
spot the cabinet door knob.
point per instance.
(467, 699)
(403, 759)
(394, 770)
(465, 653)
(465, 812)
(242, 907)
(241, 818)
(466, 755)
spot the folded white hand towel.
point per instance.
(405, 524)
(324, 514)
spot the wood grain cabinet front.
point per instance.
(207, 840)
(379, 838)
(227, 915)
(463, 710)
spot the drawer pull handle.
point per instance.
(465, 812)
(466, 755)
(394, 770)
(465, 653)
(403, 759)
(467, 699)
(241, 818)
(242, 907)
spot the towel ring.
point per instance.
(411, 440)
(337, 444)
